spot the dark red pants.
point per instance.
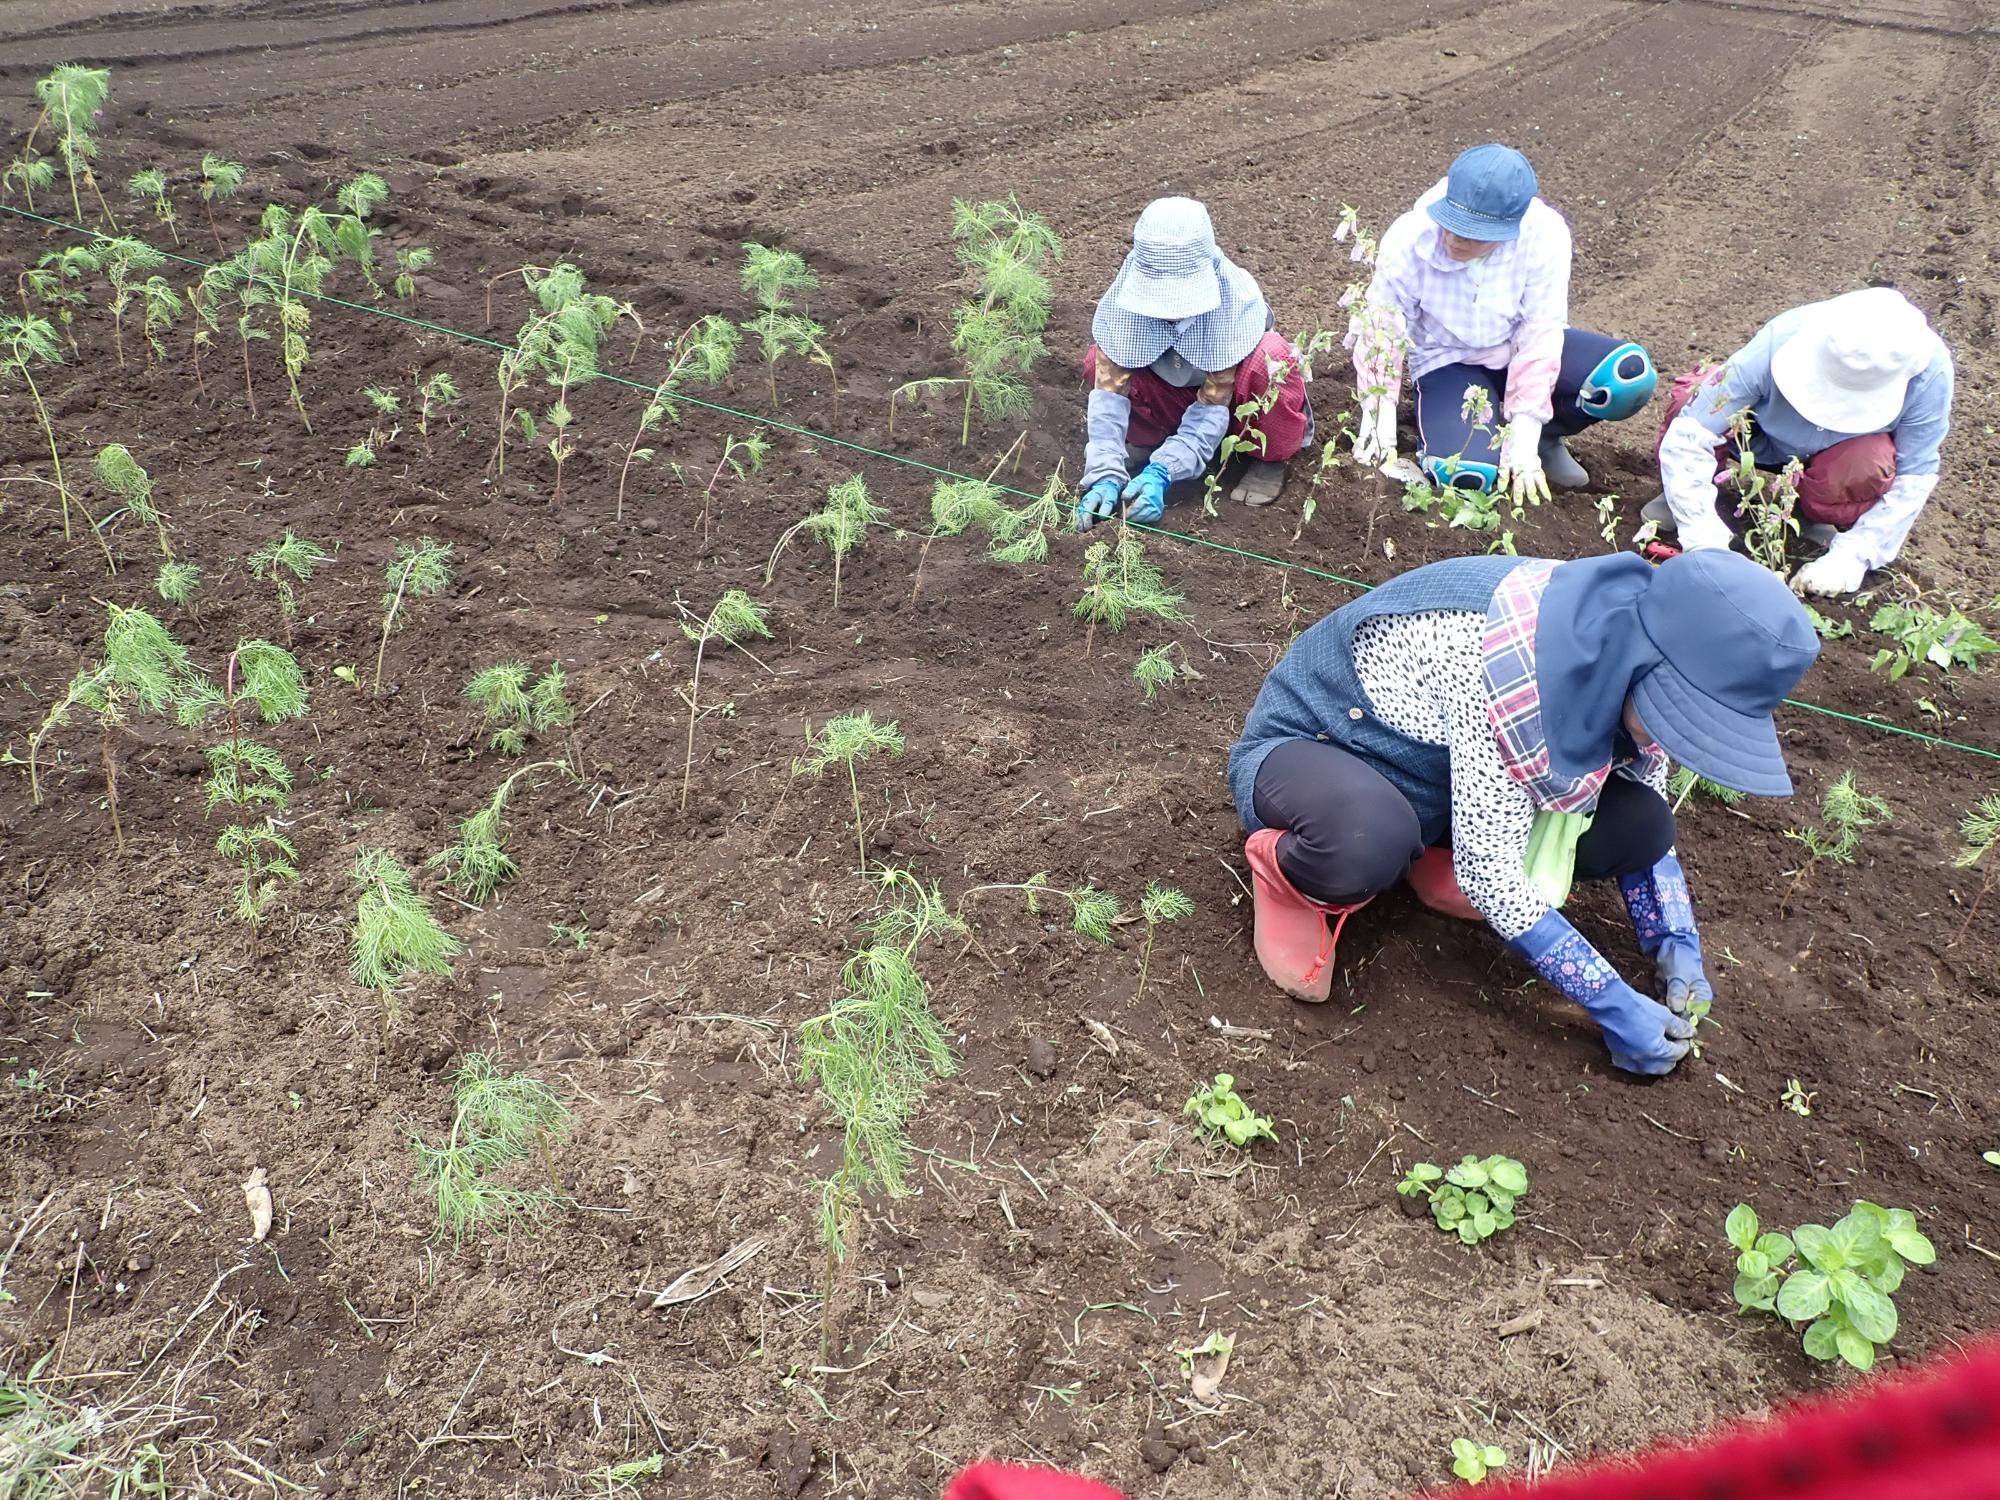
(1157, 408)
(1840, 483)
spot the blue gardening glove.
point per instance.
(1642, 1035)
(1097, 503)
(1146, 495)
(1662, 915)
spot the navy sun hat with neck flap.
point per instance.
(1486, 193)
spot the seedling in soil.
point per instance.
(621, 1479)
(1991, 1158)
(408, 263)
(123, 260)
(1251, 440)
(57, 281)
(497, 1119)
(1473, 1461)
(559, 342)
(996, 332)
(848, 740)
(1093, 913)
(73, 98)
(436, 393)
(1826, 629)
(1922, 634)
(741, 457)
(176, 583)
(291, 554)
(1797, 1098)
(1846, 812)
(958, 505)
(734, 616)
(264, 857)
(840, 526)
(233, 275)
(578, 938)
(1473, 1200)
(1221, 1115)
(517, 705)
(1159, 905)
(1768, 504)
(702, 354)
(1979, 830)
(26, 344)
(119, 472)
(359, 197)
(773, 277)
(149, 186)
(479, 864)
(1683, 784)
(26, 175)
(417, 571)
(1839, 1281)
(1025, 536)
(221, 180)
(395, 935)
(1156, 669)
(246, 776)
(1118, 582)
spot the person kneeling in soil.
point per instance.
(1524, 711)
(1183, 339)
(1472, 286)
(1858, 388)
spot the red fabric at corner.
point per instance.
(1157, 408)
(1002, 1482)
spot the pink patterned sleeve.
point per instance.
(1531, 373)
(1538, 339)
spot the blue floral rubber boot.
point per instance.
(1642, 1034)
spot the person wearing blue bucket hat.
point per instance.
(1183, 340)
(1471, 292)
(1492, 729)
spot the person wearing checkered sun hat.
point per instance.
(1471, 293)
(1183, 340)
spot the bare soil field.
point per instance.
(1718, 163)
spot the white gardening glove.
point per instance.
(1832, 574)
(1521, 473)
(1375, 441)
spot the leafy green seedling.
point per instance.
(176, 583)
(518, 705)
(120, 473)
(408, 263)
(360, 456)
(623, 1478)
(264, 858)
(1683, 784)
(1827, 629)
(73, 99)
(395, 935)
(847, 740)
(1159, 905)
(559, 342)
(1979, 831)
(740, 457)
(479, 864)
(26, 344)
(1797, 1098)
(564, 932)
(1473, 1200)
(497, 1119)
(58, 281)
(123, 260)
(290, 554)
(149, 186)
(1157, 669)
(774, 277)
(1093, 913)
(1119, 582)
(733, 617)
(1024, 538)
(840, 526)
(1991, 1158)
(1945, 639)
(1837, 1281)
(419, 570)
(221, 180)
(1846, 812)
(26, 174)
(1473, 1461)
(703, 354)
(435, 393)
(1221, 1115)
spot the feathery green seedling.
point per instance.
(517, 705)
(57, 281)
(1156, 669)
(434, 394)
(26, 174)
(176, 583)
(734, 616)
(417, 571)
(840, 526)
(1024, 538)
(1475, 1199)
(702, 355)
(773, 276)
(497, 1119)
(1093, 913)
(847, 740)
(1159, 905)
(996, 332)
(119, 472)
(395, 935)
(1840, 1281)
(161, 306)
(72, 98)
(1118, 583)
(1846, 812)
(291, 554)
(123, 259)
(1683, 783)
(221, 180)
(741, 457)
(408, 263)
(1221, 1115)
(1978, 831)
(359, 197)
(25, 344)
(249, 777)
(620, 1479)
(234, 275)
(479, 864)
(559, 342)
(264, 857)
(1474, 1461)
(1945, 639)
(148, 185)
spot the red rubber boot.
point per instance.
(1294, 943)
(1435, 881)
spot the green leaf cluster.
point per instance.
(265, 857)
(1945, 639)
(517, 704)
(497, 1119)
(1684, 783)
(478, 864)
(774, 277)
(1119, 582)
(395, 935)
(292, 554)
(1473, 1200)
(1846, 812)
(1221, 1115)
(1472, 1461)
(1838, 1281)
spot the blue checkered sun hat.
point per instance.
(1178, 291)
(1486, 193)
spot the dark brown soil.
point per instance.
(1718, 164)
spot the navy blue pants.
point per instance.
(1443, 431)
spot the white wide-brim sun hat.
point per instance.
(1848, 365)
(1170, 273)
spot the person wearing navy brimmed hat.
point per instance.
(1183, 340)
(1492, 729)
(1471, 290)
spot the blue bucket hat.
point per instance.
(1486, 193)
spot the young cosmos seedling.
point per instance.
(1838, 1281)
(1826, 629)
(702, 355)
(249, 777)
(434, 394)
(1978, 831)
(1473, 1200)
(119, 472)
(516, 706)
(73, 98)
(1093, 913)
(417, 571)
(395, 935)
(958, 505)
(734, 616)
(26, 174)
(1473, 1461)
(1944, 639)
(176, 583)
(847, 740)
(1156, 669)
(149, 186)
(27, 344)
(221, 180)
(234, 275)
(123, 260)
(741, 457)
(1683, 784)
(1158, 905)
(1846, 812)
(290, 554)
(479, 864)
(497, 1119)
(1024, 537)
(57, 281)
(408, 263)
(1118, 582)
(1221, 1115)
(840, 526)
(996, 331)
(560, 343)
(773, 277)
(1797, 1098)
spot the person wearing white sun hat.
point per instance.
(1183, 341)
(1858, 388)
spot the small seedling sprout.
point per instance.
(417, 571)
(1684, 783)
(840, 526)
(1025, 536)
(149, 186)
(1473, 1200)
(29, 342)
(437, 392)
(408, 263)
(1838, 1281)
(27, 174)
(290, 554)
(479, 864)
(773, 276)
(123, 259)
(1945, 639)
(703, 354)
(247, 776)
(497, 1119)
(1846, 812)
(1221, 1115)
(516, 704)
(221, 180)
(119, 472)
(1093, 913)
(1156, 669)
(734, 616)
(1159, 904)
(740, 457)
(1979, 831)
(1473, 1461)
(1797, 1098)
(395, 935)
(176, 583)
(559, 342)
(1118, 582)
(847, 740)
